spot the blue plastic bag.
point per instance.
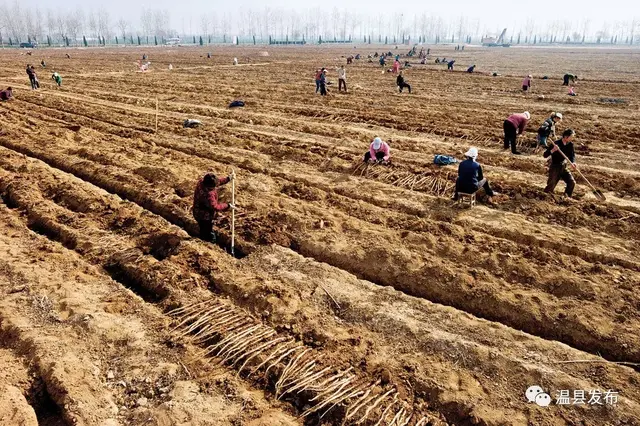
(444, 160)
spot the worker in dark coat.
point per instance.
(559, 168)
(7, 94)
(206, 204)
(567, 77)
(470, 177)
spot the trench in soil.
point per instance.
(47, 411)
(342, 263)
(51, 413)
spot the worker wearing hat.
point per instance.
(548, 129)
(526, 83)
(514, 126)
(470, 177)
(379, 152)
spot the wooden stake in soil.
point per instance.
(156, 114)
(233, 212)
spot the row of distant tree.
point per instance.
(19, 24)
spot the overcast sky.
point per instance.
(492, 14)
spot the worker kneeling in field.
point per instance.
(548, 128)
(559, 168)
(470, 177)
(7, 94)
(206, 204)
(379, 152)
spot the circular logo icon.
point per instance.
(532, 392)
(543, 399)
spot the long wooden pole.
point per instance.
(233, 213)
(156, 114)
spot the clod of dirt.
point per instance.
(14, 409)
(156, 174)
(161, 245)
(301, 191)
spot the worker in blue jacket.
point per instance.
(470, 177)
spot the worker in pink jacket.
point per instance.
(514, 126)
(396, 67)
(526, 83)
(379, 152)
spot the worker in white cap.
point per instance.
(548, 129)
(379, 152)
(470, 177)
(514, 126)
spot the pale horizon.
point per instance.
(454, 18)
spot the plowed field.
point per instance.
(356, 296)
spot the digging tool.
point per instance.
(598, 194)
(233, 212)
(156, 114)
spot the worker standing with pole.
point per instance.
(206, 204)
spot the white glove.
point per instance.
(232, 206)
(231, 177)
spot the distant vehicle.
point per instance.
(172, 41)
(492, 42)
(29, 45)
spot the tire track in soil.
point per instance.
(579, 334)
(86, 229)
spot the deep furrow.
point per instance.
(144, 272)
(428, 277)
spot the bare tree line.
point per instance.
(19, 23)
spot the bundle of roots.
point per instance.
(235, 338)
(424, 182)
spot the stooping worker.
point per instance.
(567, 77)
(56, 77)
(401, 83)
(514, 126)
(548, 128)
(559, 169)
(470, 177)
(379, 152)
(206, 204)
(526, 83)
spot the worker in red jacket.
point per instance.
(514, 126)
(206, 204)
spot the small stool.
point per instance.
(464, 197)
